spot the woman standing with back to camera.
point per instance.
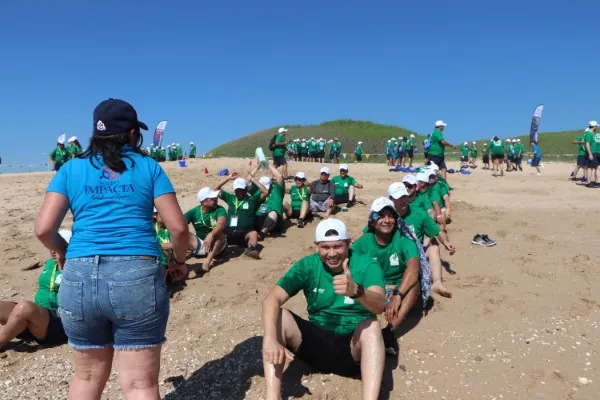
(113, 294)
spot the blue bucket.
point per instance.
(182, 164)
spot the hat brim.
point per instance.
(143, 125)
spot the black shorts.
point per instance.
(192, 156)
(55, 334)
(438, 160)
(486, 159)
(57, 166)
(279, 161)
(341, 198)
(593, 163)
(260, 221)
(535, 161)
(410, 153)
(325, 351)
(358, 157)
(499, 158)
(581, 161)
(236, 237)
(464, 158)
(296, 215)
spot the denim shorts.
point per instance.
(121, 302)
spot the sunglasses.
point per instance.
(300, 179)
(408, 185)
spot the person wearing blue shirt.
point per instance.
(537, 156)
(113, 294)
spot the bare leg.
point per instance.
(270, 222)
(304, 209)
(287, 210)
(138, 373)
(433, 255)
(6, 308)
(252, 238)
(216, 247)
(351, 193)
(448, 206)
(367, 347)
(92, 369)
(408, 303)
(25, 315)
(288, 334)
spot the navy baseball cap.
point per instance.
(115, 116)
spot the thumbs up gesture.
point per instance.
(343, 283)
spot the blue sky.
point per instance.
(218, 70)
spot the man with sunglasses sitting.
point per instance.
(345, 187)
(299, 206)
(323, 194)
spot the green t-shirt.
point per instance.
(464, 150)
(204, 222)
(497, 147)
(279, 150)
(60, 156)
(241, 213)
(74, 151)
(359, 150)
(332, 312)
(436, 148)
(421, 223)
(193, 150)
(342, 184)
(581, 146)
(594, 141)
(273, 202)
(410, 144)
(437, 194)
(162, 236)
(298, 195)
(48, 284)
(422, 201)
(392, 258)
(473, 151)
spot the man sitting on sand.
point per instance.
(323, 194)
(444, 189)
(38, 320)
(299, 206)
(241, 209)
(398, 257)
(345, 187)
(344, 293)
(269, 214)
(422, 199)
(209, 220)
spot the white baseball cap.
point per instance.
(518, 140)
(66, 234)
(400, 137)
(423, 176)
(265, 181)
(72, 139)
(389, 140)
(191, 142)
(331, 224)
(466, 143)
(300, 175)
(411, 135)
(381, 203)
(593, 124)
(282, 130)
(344, 166)
(239, 183)
(360, 142)
(207, 193)
(410, 179)
(433, 166)
(397, 190)
(325, 170)
(440, 123)
(474, 142)
(514, 140)
(508, 140)
(61, 139)
(393, 138)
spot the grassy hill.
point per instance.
(374, 137)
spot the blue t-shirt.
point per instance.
(536, 151)
(112, 212)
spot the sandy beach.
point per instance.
(523, 322)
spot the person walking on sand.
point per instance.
(592, 148)
(498, 151)
(437, 147)
(358, 153)
(113, 294)
(60, 154)
(536, 156)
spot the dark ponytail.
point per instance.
(110, 149)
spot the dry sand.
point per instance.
(523, 322)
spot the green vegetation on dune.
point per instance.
(374, 136)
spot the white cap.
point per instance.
(61, 139)
(172, 144)
(410, 179)
(344, 166)
(381, 203)
(518, 140)
(312, 138)
(508, 140)
(325, 170)
(239, 183)
(66, 234)
(331, 224)
(433, 166)
(440, 123)
(397, 190)
(423, 176)
(393, 138)
(191, 142)
(282, 130)
(207, 193)
(360, 142)
(400, 137)
(265, 181)
(474, 142)
(411, 135)
(466, 143)
(514, 140)
(300, 175)
(72, 139)
(593, 124)
(389, 140)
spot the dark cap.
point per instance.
(115, 116)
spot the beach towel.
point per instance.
(224, 172)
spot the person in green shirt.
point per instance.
(75, 148)
(279, 152)
(498, 151)
(437, 146)
(486, 156)
(299, 205)
(60, 154)
(581, 161)
(422, 199)
(338, 149)
(410, 148)
(241, 211)
(192, 152)
(473, 153)
(345, 187)
(39, 320)
(209, 221)
(358, 153)
(269, 214)
(464, 155)
(518, 157)
(163, 237)
(592, 149)
(344, 293)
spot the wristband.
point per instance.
(360, 290)
(396, 292)
(173, 259)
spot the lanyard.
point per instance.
(53, 276)
(236, 204)
(300, 192)
(158, 235)
(212, 222)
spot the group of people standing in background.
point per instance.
(171, 152)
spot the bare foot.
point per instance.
(438, 287)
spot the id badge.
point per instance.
(234, 221)
(263, 209)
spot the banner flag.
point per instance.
(158, 133)
(535, 123)
(344, 155)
